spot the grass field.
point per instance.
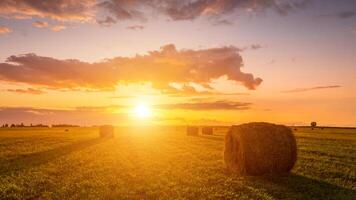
(164, 163)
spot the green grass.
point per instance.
(164, 163)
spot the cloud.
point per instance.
(223, 22)
(342, 14)
(27, 91)
(346, 14)
(80, 116)
(4, 30)
(43, 24)
(255, 46)
(108, 21)
(312, 88)
(62, 10)
(118, 10)
(135, 27)
(40, 24)
(57, 28)
(161, 68)
(190, 10)
(217, 105)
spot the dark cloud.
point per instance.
(255, 46)
(311, 88)
(342, 14)
(27, 91)
(223, 22)
(108, 21)
(4, 30)
(217, 105)
(346, 14)
(160, 68)
(135, 27)
(63, 10)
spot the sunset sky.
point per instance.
(215, 62)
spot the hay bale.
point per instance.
(260, 148)
(106, 131)
(208, 130)
(192, 130)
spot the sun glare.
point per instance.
(142, 111)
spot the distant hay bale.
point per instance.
(106, 131)
(207, 130)
(66, 130)
(260, 148)
(192, 130)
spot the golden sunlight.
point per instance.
(142, 111)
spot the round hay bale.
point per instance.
(208, 130)
(192, 131)
(260, 148)
(106, 131)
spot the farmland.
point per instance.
(164, 163)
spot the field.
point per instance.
(164, 163)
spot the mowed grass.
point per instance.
(164, 163)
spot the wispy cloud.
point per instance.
(217, 105)
(4, 30)
(57, 28)
(159, 68)
(108, 21)
(40, 24)
(27, 91)
(43, 24)
(135, 27)
(342, 14)
(311, 89)
(81, 116)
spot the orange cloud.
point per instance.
(4, 30)
(40, 24)
(63, 10)
(217, 105)
(160, 68)
(27, 91)
(57, 28)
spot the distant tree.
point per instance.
(313, 125)
(13, 125)
(6, 125)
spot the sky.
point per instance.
(206, 62)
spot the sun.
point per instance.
(142, 111)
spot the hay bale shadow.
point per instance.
(23, 162)
(293, 186)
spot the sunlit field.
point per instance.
(164, 163)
